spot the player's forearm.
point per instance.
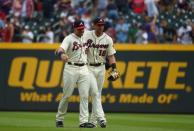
(111, 59)
(112, 62)
(61, 54)
(59, 51)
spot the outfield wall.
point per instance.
(154, 78)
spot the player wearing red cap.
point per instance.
(72, 52)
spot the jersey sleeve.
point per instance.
(65, 44)
(111, 50)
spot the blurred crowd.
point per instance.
(127, 21)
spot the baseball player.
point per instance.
(100, 47)
(72, 52)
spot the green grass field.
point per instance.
(45, 121)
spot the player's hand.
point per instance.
(114, 75)
(64, 57)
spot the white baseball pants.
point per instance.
(73, 75)
(97, 75)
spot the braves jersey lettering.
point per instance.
(74, 47)
(98, 47)
(91, 44)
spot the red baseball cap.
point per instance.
(78, 24)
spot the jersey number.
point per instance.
(102, 52)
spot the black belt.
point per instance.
(76, 64)
(96, 64)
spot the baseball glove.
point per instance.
(113, 75)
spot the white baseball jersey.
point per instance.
(71, 45)
(98, 47)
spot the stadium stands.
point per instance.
(59, 15)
